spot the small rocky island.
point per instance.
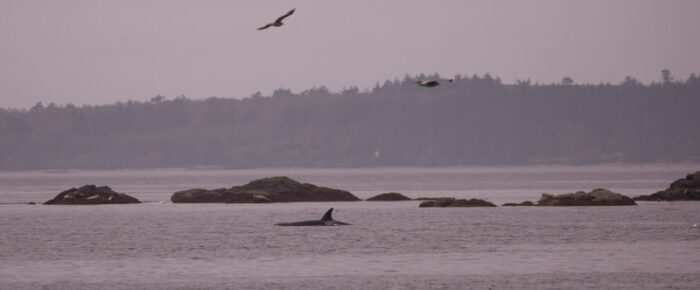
(389, 196)
(594, 198)
(272, 189)
(687, 188)
(91, 194)
(452, 202)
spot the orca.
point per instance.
(326, 220)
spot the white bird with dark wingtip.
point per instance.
(432, 83)
(278, 22)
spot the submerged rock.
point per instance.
(91, 194)
(451, 202)
(596, 197)
(524, 203)
(272, 189)
(389, 196)
(687, 188)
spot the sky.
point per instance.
(89, 52)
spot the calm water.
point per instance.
(390, 244)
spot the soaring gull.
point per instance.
(432, 83)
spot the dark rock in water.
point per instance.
(272, 189)
(451, 202)
(389, 196)
(524, 203)
(596, 197)
(687, 188)
(197, 195)
(91, 194)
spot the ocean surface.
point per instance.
(390, 245)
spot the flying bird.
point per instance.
(278, 22)
(432, 83)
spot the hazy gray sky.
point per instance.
(97, 52)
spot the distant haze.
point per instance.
(98, 52)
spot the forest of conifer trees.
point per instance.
(473, 121)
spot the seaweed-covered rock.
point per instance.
(452, 202)
(272, 189)
(91, 194)
(524, 203)
(389, 196)
(596, 197)
(687, 188)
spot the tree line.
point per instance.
(474, 120)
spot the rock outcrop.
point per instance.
(389, 196)
(451, 202)
(687, 188)
(596, 197)
(272, 189)
(91, 194)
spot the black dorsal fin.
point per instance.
(327, 216)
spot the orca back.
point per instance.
(326, 220)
